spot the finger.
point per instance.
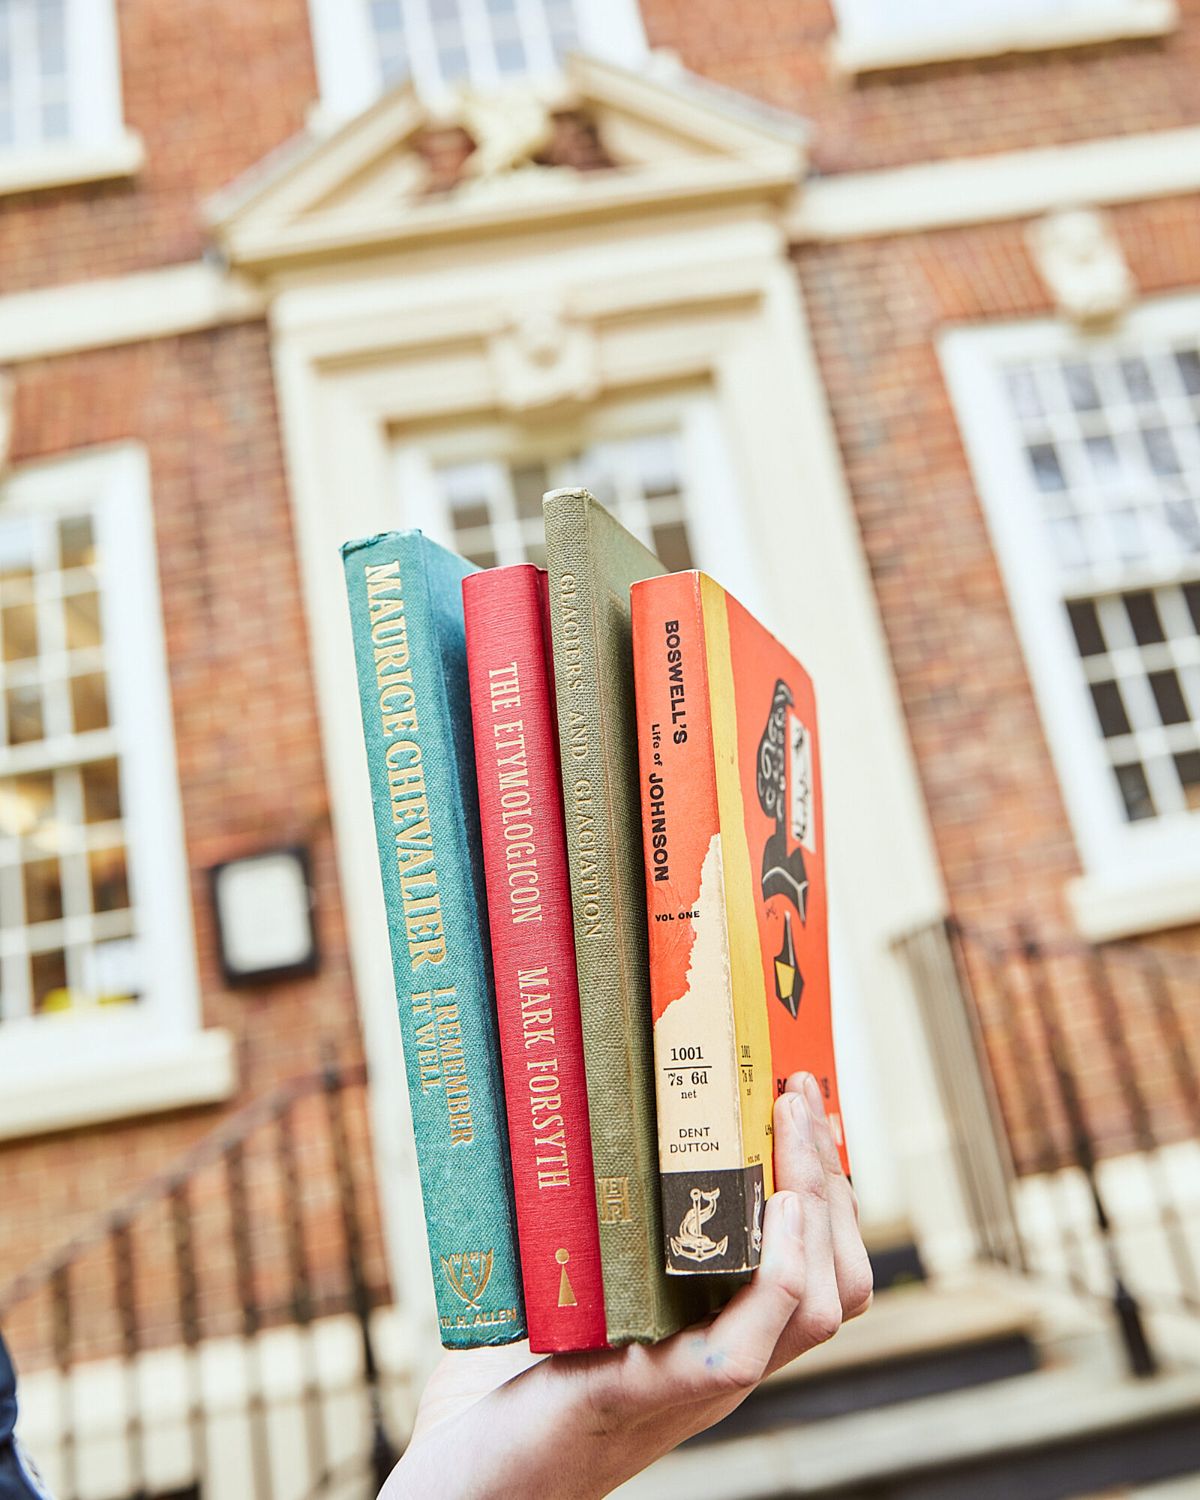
(733, 1353)
(798, 1169)
(851, 1262)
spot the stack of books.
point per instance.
(597, 800)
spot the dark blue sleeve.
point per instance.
(18, 1479)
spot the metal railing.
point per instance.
(259, 1232)
(1086, 1061)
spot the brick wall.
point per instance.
(993, 796)
(211, 86)
(778, 50)
(215, 85)
(250, 765)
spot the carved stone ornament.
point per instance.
(541, 359)
(1080, 260)
(509, 128)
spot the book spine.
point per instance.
(594, 694)
(709, 1193)
(426, 825)
(533, 952)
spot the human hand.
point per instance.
(499, 1423)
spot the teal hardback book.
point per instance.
(406, 612)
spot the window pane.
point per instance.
(83, 621)
(483, 37)
(1110, 710)
(1022, 388)
(530, 483)
(1183, 522)
(495, 509)
(453, 63)
(1118, 496)
(1137, 379)
(1081, 387)
(1188, 361)
(1191, 594)
(510, 55)
(1046, 469)
(1086, 624)
(1160, 450)
(1168, 695)
(1187, 767)
(16, 549)
(43, 891)
(49, 973)
(26, 804)
(77, 547)
(64, 899)
(56, 121)
(24, 709)
(1143, 617)
(89, 702)
(18, 626)
(471, 517)
(1135, 792)
(671, 547)
(1102, 452)
(110, 886)
(101, 792)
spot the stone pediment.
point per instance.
(604, 142)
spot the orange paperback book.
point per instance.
(736, 900)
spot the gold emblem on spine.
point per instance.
(468, 1273)
(614, 1200)
(566, 1296)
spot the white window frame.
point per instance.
(991, 27)
(1140, 875)
(65, 1069)
(348, 67)
(709, 487)
(99, 146)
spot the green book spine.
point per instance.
(592, 561)
(406, 613)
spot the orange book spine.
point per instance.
(708, 1192)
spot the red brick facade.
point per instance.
(211, 88)
(215, 85)
(779, 50)
(250, 774)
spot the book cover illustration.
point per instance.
(533, 950)
(405, 596)
(736, 899)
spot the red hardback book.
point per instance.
(533, 954)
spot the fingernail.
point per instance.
(816, 1100)
(794, 1084)
(801, 1117)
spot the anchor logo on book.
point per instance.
(468, 1273)
(692, 1242)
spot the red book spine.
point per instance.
(533, 954)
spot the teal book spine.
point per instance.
(406, 613)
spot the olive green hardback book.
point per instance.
(592, 561)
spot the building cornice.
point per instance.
(187, 298)
(123, 310)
